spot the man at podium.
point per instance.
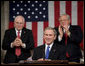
(49, 50)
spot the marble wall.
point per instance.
(4, 23)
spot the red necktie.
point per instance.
(65, 39)
(18, 50)
(67, 55)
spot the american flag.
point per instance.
(41, 14)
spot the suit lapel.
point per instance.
(23, 33)
(53, 50)
(13, 33)
(70, 28)
(43, 51)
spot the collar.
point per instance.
(64, 29)
(49, 46)
(17, 30)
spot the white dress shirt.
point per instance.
(50, 46)
(17, 32)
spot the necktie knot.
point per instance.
(18, 34)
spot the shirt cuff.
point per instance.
(23, 45)
(59, 38)
(11, 45)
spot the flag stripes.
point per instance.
(55, 8)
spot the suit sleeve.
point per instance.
(6, 41)
(28, 40)
(57, 38)
(76, 34)
(34, 57)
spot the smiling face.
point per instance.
(19, 22)
(49, 36)
(64, 20)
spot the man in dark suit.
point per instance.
(40, 53)
(69, 38)
(18, 42)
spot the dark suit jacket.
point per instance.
(54, 54)
(26, 37)
(73, 42)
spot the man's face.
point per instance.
(19, 23)
(64, 21)
(49, 36)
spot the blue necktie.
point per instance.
(47, 52)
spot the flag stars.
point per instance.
(25, 5)
(44, 16)
(36, 1)
(40, 12)
(28, 17)
(36, 9)
(28, 9)
(36, 17)
(25, 13)
(13, 1)
(28, 1)
(17, 12)
(32, 12)
(40, 5)
(32, 5)
(17, 5)
(44, 8)
(21, 1)
(44, 1)
(13, 9)
(21, 9)
(13, 16)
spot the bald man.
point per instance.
(18, 42)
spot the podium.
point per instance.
(52, 62)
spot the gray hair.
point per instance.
(50, 28)
(18, 17)
(68, 17)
